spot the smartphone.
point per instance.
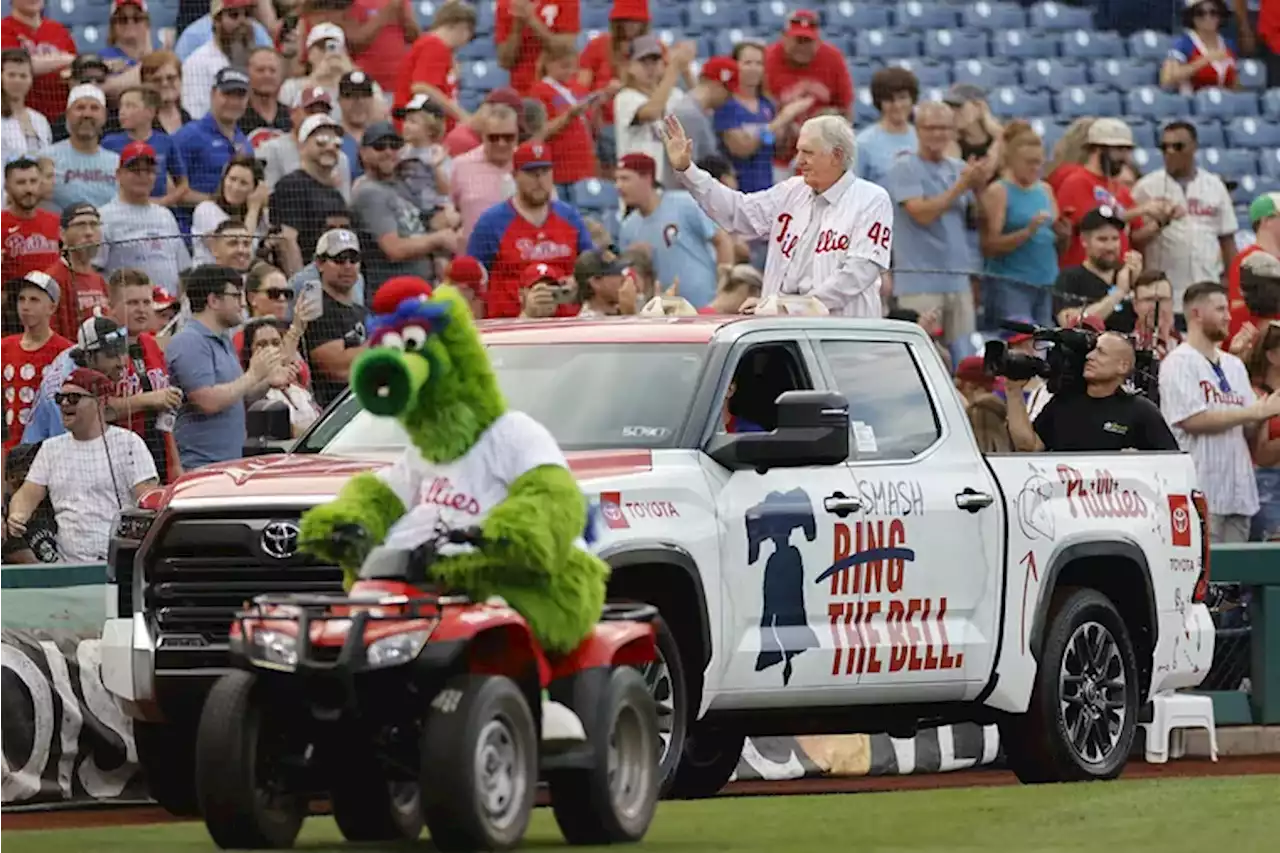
(565, 294)
(310, 302)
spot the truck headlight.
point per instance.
(274, 650)
(396, 649)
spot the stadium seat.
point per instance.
(164, 13)
(1091, 44)
(90, 39)
(594, 18)
(1150, 45)
(993, 16)
(926, 16)
(987, 73)
(1253, 133)
(1147, 159)
(771, 15)
(1022, 44)
(595, 194)
(1225, 104)
(1050, 130)
(1155, 103)
(1271, 103)
(1123, 73)
(470, 99)
(486, 17)
(1253, 74)
(726, 39)
(1053, 73)
(1144, 133)
(1229, 162)
(929, 72)
(1077, 101)
(476, 50)
(850, 17)
(1252, 186)
(79, 13)
(955, 44)
(1269, 163)
(672, 17)
(1209, 133)
(887, 44)
(1050, 17)
(864, 112)
(1014, 102)
(861, 69)
(481, 75)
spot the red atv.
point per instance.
(404, 706)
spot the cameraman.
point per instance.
(1104, 417)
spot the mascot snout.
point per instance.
(387, 381)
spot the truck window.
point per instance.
(762, 374)
(888, 402)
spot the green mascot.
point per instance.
(472, 462)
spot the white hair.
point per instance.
(833, 133)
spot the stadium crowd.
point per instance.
(196, 214)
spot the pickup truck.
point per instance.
(803, 500)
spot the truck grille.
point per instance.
(203, 569)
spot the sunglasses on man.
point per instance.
(62, 398)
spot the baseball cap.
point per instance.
(1264, 207)
(533, 155)
(962, 93)
(594, 262)
(379, 130)
(1110, 132)
(355, 84)
(231, 80)
(315, 123)
(136, 151)
(325, 32)
(41, 281)
(336, 241)
(535, 273)
(1259, 265)
(216, 7)
(506, 96)
(630, 10)
(398, 289)
(80, 208)
(721, 69)
(642, 47)
(641, 164)
(466, 271)
(101, 334)
(91, 380)
(970, 369)
(1098, 217)
(86, 90)
(161, 298)
(419, 103)
(141, 5)
(802, 24)
(309, 96)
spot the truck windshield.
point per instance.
(591, 397)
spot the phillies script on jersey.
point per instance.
(30, 243)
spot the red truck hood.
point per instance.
(312, 475)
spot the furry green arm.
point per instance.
(365, 500)
(536, 525)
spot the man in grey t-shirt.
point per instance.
(396, 239)
(717, 79)
(137, 233)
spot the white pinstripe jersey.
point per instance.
(1188, 386)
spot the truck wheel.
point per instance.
(1084, 707)
(479, 764)
(166, 753)
(710, 757)
(612, 801)
(238, 770)
(366, 810)
(666, 683)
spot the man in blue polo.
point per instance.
(206, 144)
(203, 362)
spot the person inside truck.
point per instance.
(750, 403)
(730, 421)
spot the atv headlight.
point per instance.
(396, 649)
(274, 650)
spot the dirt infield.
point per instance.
(1236, 766)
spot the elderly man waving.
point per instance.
(830, 232)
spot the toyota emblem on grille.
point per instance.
(280, 539)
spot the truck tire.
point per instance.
(1084, 707)
(710, 756)
(166, 753)
(367, 810)
(242, 809)
(613, 800)
(665, 681)
(479, 765)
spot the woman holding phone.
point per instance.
(571, 116)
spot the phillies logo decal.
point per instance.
(670, 233)
(1180, 520)
(611, 509)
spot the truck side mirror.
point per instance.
(813, 430)
(267, 428)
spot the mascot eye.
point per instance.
(392, 340)
(414, 338)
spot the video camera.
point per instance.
(1062, 368)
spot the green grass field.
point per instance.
(1220, 815)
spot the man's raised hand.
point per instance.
(679, 146)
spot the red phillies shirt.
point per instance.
(573, 152)
(152, 363)
(597, 60)
(826, 79)
(1188, 48)
(48, 91)
(1268, 26)
(29, 244)
(560, 16)
(1240, 313)
(84, 294)
(1083, 191)
(382, 57)
(430, 61)
(504, 242)
(23, 370)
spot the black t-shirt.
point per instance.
(1078, 423)
(337, 321)
(252, 120)
(1078, 287)
(305, 204)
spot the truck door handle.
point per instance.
(973, 501)
(841, 504)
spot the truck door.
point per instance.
(913, 578)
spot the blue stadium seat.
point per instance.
(593, 18)
(1252, 186)
(594, 194)
(1014, 102)
(91, 38)
(612, 221)
(926, 16)
(861, 69)
(1058, 17)
(1091, 44)
(478, 49)
(79, 13)
(486, 17)
(1147, 159)
(1253, 74)
(771, 15)
(1077, 101)
(1123, 73)
(848, 17)
(1253, 133)
(1022, 44)
(956, 44)
(1053, 73)
(888, 44)
(164, 13)
(482, 75)
(1229, 162)
(864, 112)
(1209, 133)
(1269, 163)
(1271, 103)
(929, 72)
(470, 99)
(1224, 104)
(987, 73)
(1156, 103)
(1144, 133)
(1050, 130)
(726, 39)
(993, 16)
(672, 16)
(1150, 44)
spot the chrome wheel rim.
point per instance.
(657, 678)
(499, 772)
(629, 763)
(1092, 684)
